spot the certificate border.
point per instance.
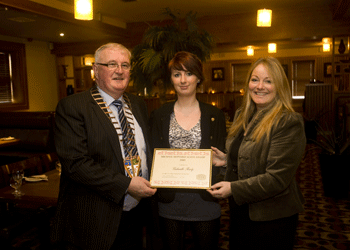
(183, 187)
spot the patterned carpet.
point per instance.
(325, 223)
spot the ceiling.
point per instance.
(148, 10)
(231, 21)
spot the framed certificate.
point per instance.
(181, 168)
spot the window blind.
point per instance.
(5, 78)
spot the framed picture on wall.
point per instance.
(337, 70)
(327, 69)
(218, 74)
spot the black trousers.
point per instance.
(205, 233)
(130, 232)
(263, 235)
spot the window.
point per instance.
(303, 73)
(5, 78)
(239, 75)
(13, 76)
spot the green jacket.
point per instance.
(265, 175)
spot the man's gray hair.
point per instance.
(116, 46)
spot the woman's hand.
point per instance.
(219, 158)
(221, 190)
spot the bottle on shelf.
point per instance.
(341, 48)
(70, 90)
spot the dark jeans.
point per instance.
(263, 235)
(205, 233)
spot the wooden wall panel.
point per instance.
(319, 103)
(226, 85)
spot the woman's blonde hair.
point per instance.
(283, 100)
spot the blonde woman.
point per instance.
(264, 149)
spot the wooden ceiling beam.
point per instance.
(83, 48)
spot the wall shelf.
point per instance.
(72, 72)
(341, 63)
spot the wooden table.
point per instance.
(43, 193)
(6, 143)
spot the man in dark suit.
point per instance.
(100, 203)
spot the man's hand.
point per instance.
(140, 188)
(221, 190)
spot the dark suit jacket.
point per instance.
(213, 128)
(93, 182)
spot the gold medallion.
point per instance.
(132, 165)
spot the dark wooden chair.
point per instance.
(48, 161)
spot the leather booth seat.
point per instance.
(34, 129)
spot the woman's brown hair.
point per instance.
(186, 61)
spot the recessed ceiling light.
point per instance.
(61, 34)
